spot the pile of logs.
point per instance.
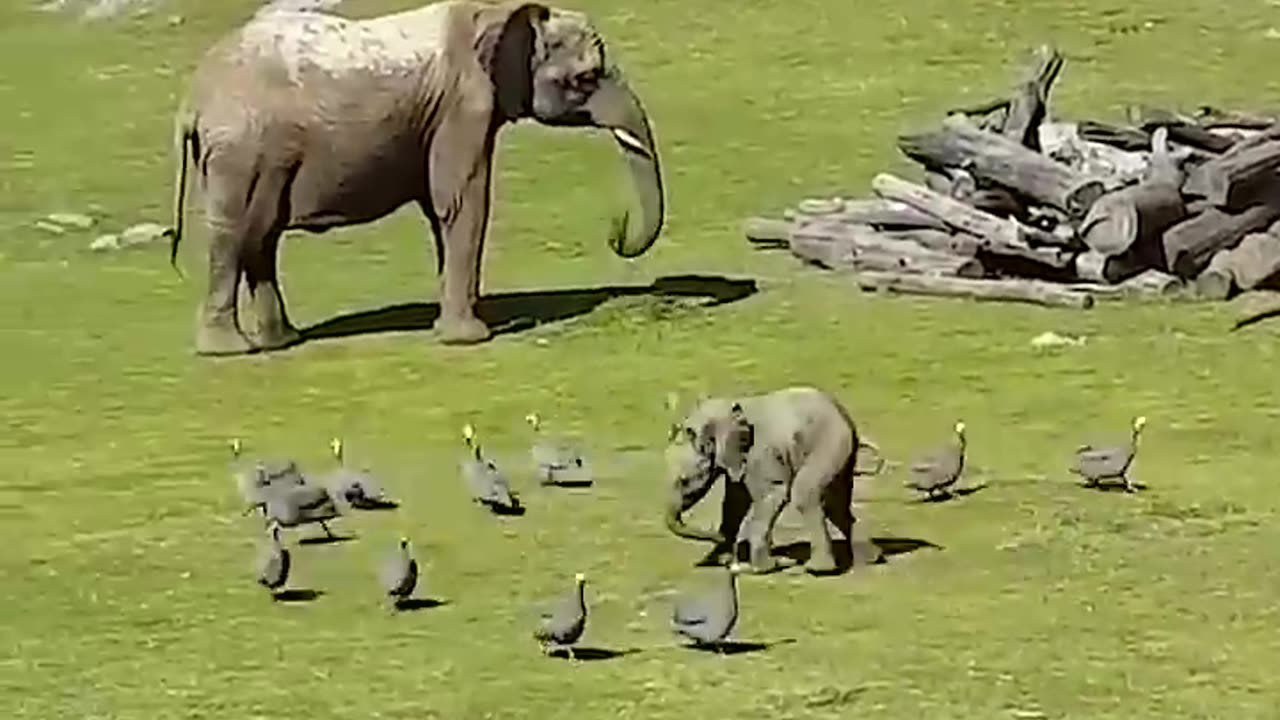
(1014, 207)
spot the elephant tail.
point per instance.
(187, 144)
(879, 467)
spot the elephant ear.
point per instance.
(734, 441)
(507, 47)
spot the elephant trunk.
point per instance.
(678, 527)
(614, 106)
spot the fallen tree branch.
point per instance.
(1025, 291)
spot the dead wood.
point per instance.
(1026, 291)
(1192, 243)
(1029, 104)
(1236, 179)
(992, 158)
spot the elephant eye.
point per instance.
(585, 79)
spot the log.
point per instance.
(1210, 117)
(1189, 245)
(1095, 267)
(1123, 138)
(1182, 129)
(1027, 291)
(1234, 179)
(1247, 266)
(1036, 263)
(1029, 104)
(882, 213)
(1136, 216)
(1150, 283)
(996, 159)
(1215, 282)
(767, 231)
(959, 215)
(838, 246)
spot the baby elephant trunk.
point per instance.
(676, 524)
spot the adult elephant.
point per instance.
(310, 121)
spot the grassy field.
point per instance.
(127, 590)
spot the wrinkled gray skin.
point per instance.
(311, 121)
(797, 445)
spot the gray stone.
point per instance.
(71, 220)
(105, 242)
(142, 234)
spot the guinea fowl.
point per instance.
(1096, 464)
(399, 574)
(356, 488)
(707, 619)
(562, 623)
(273, 562)
(297, 505)
(488, 485)
(254, 482)
(940, 470)
(555, 460)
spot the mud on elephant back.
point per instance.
(313, 121)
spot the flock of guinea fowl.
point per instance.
(287, 498)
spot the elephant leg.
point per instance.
(272, 328)
(837, 502)
(217, 327)
(461, 164)
(733, 508)
(819, 485)
(757, 528)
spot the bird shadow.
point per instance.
(735, 647)
(514, 312)
(505, 510)
(568, 484)
(590, 654)
(325, 539)
(414, 604)
(297, 595)
(953, 494)
(375, 505)
(1112, 487)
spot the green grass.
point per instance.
(127, 587)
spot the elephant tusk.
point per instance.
(628, 140)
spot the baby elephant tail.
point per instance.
(879, 467)
(187, 144)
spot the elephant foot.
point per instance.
(221, 338)
(823, 564)
(277, 338)
(462, 331)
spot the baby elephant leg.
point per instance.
(757, 528)
(821, 491)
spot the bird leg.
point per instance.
(328, 533)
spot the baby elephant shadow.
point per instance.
(297, 595)
(856, 553)
(952, 494)
(590, 654)
(413, 604)
(374, 505)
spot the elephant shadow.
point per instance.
(508, 313)
(856, 553)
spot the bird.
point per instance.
(296, 505)
(708, 619)
(1095, 464)
(488, 485)
(562, 622)
(356, 488)
(273, 561)
(554, 460)
(399, 573)
(939, 470)
(252, 481)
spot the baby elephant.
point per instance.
(796, 445)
